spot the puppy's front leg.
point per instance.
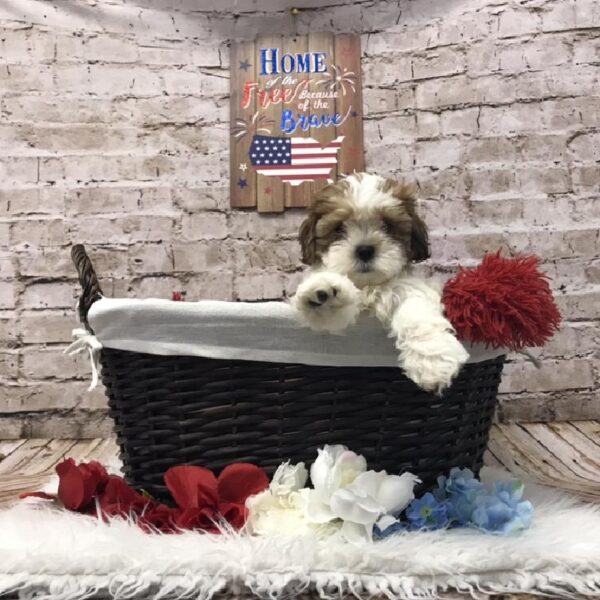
(430, 354)
(327, 301)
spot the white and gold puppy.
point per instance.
(360, 237)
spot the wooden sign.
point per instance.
(296, 118)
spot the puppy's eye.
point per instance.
(340, 229)
(388, 226)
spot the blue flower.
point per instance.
(503, 512)
(427, 513)
(459, 490)
(439, 493)
(463, 482)
(461, 500)
(396, 527)
(460, 508)
(510, 491)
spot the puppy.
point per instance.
(360, 237)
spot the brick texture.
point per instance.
(114, 133)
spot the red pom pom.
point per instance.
(504, 302)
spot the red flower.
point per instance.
(42, 495)
(239, 481)
(160, 518)
(118, 499)
(234, 514)
(192, 487)
(205, 519)
(205, 500)
(79, 484)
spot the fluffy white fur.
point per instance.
(68, 556)
(339, 287)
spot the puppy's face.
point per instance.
(365, 227)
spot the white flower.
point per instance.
(386, 521)
(276, 515)
(369, 497)
(280, 509)
(288, 478)
(346, 497)
(336, 467)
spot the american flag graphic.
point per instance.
(293, 159)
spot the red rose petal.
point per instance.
(80, 484)
(62, 467)
(192, 486)
(234, 514)
(95, 479)
(160, 518)
(97, 473)
(42, 495)
(118, 499)
(240, 481)
(71, 487)
(203, 519)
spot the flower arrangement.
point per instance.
(203, 501)
(461, 500)
(346, 499)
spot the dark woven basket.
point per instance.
(171, 410)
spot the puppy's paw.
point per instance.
(434, 363)
(327, 302)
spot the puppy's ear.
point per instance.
(308, 239)
(419, 239)
(406, 194)
(327, 200)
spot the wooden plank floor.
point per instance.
(28, 464)
(564, 455)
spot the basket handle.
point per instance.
(88, 280)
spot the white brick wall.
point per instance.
(114, 132)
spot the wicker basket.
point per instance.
(171, 410)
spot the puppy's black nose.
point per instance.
(365, 253)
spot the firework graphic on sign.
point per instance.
(338, 78)
(295, 159)
(257, 124)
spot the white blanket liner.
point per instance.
(261, 331)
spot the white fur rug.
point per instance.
(49, 553)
